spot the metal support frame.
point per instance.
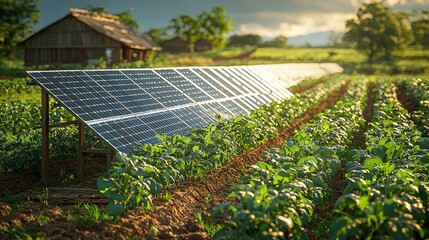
(82, 148)
(45, 137)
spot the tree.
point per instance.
(278, 42)
(378, 31)
(17, 19)
(126, 17)
(215, 25)
(158, 35)
(211, 26)
(244, 40)
(420, 26)
(186, 27)
(98, 9)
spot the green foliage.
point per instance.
(418, 90)
(20, 135)
(215, 25)
(90, 214)
(279, 196)
(378, 31)
(187, 28)
(126, 17)
(210, 226)
(244, 40)
(387, 194)
(16, 23)
(278, 42)
(17, 88)
(211, 26)
(420, 25)
(158, 35)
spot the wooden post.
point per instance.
(45, 137)
(81, 149)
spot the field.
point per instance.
(346, 158)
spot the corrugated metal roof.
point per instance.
(110, 26)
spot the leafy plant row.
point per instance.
(387, 196)
(418, 89)
(278, 198)
(134, 179)
(16, 86)
(20, 141)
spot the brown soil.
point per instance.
(310, 86)
(172, 219)
(61, 172)
(238, 57)
(406, 101)
(337, 185)
(359, 139)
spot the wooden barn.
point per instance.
(203, 45)
(83, 37)
(176, 45)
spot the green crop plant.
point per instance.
(279, 196)
(388, 182)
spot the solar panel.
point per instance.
(186, 86)
(132, 96)
(136, 131)
(193, 116)
(226, 80)
(218, 82)
(158, 88)
(127, 107)
(201, 82)
(222, 92)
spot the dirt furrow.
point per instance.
(406, 101)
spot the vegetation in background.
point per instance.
(126, 17)
(377, 30)
(211, 26)
(158, 35)
(16, 23)
(244, 40)
(255, 40)
(420, 25)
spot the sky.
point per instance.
(268, 18)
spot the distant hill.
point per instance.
(314, 39)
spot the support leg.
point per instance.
(45, 137)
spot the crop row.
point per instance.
(20, 140)
(387, 196)
(134, 179)
(16, 86)
(278, 198)
(418, 89)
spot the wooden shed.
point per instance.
(176, 45)
(83, 37)
(203, 45)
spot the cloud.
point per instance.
(357, 3)
(294, 24)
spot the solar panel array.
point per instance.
(129, 106)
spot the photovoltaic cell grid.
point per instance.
(126, 107)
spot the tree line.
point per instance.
(376, 29)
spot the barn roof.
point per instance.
(110, 26)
